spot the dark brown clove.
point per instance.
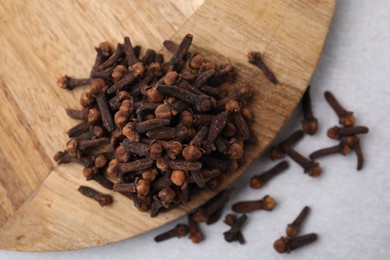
(149, 57)
(179, 132)
(346, 118)
(98, 88)
(266, 203)
(64, 157)
(294, 228)
(136, 165)
(258, 181)
(70, 83)
(86, 144)
(201, 102)
(125, 187)
(129, 51)
(339, 132)
(103, 52)
(310, 167)
(216, 128)
(203, 78)
(102, 199)
(142, 127)
(343, 148)
(77, 114)
(309, 123)
(135, 71)
(179, 230)
(184, 165)
(110, 62)
(78, 129)
(286, 245)
(180, 51)
(255, 58)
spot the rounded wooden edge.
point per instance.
(29, 219)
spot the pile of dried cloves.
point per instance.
(154, 131)
(158, 132)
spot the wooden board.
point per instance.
(40, 209)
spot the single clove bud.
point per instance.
(77, 114)
(92, 143)
(102, 199)
(98, 88)
(294, 228)
(309, 123)
(255, 58)
(343, 148)
(286, 245)
(137, 165)
(277, 152)
(258, 181)
(64, 157)
(180, 51)
(202, 103)
(339, 132)
(70, 83)
(266, 203)
(178, 231)
(346, 118)
(129, 52)
(311, 167)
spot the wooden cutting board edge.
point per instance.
(31, 198)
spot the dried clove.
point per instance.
(286, 245)
(201, 102)
(136, 165)
(310, 167)
(309, 123)
(70, 83)
(266, 203)
(102, 199)
(64, 157)
(294, 228)
(346, 118)
(258, 181)
(178, 231)
(339, 132)
(342, 148)
(256, 59)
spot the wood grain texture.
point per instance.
(40, 208)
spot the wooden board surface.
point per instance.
(40, 209)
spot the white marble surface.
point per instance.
(350, 209)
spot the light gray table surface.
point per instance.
(350, 209)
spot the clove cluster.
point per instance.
(157, 131)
